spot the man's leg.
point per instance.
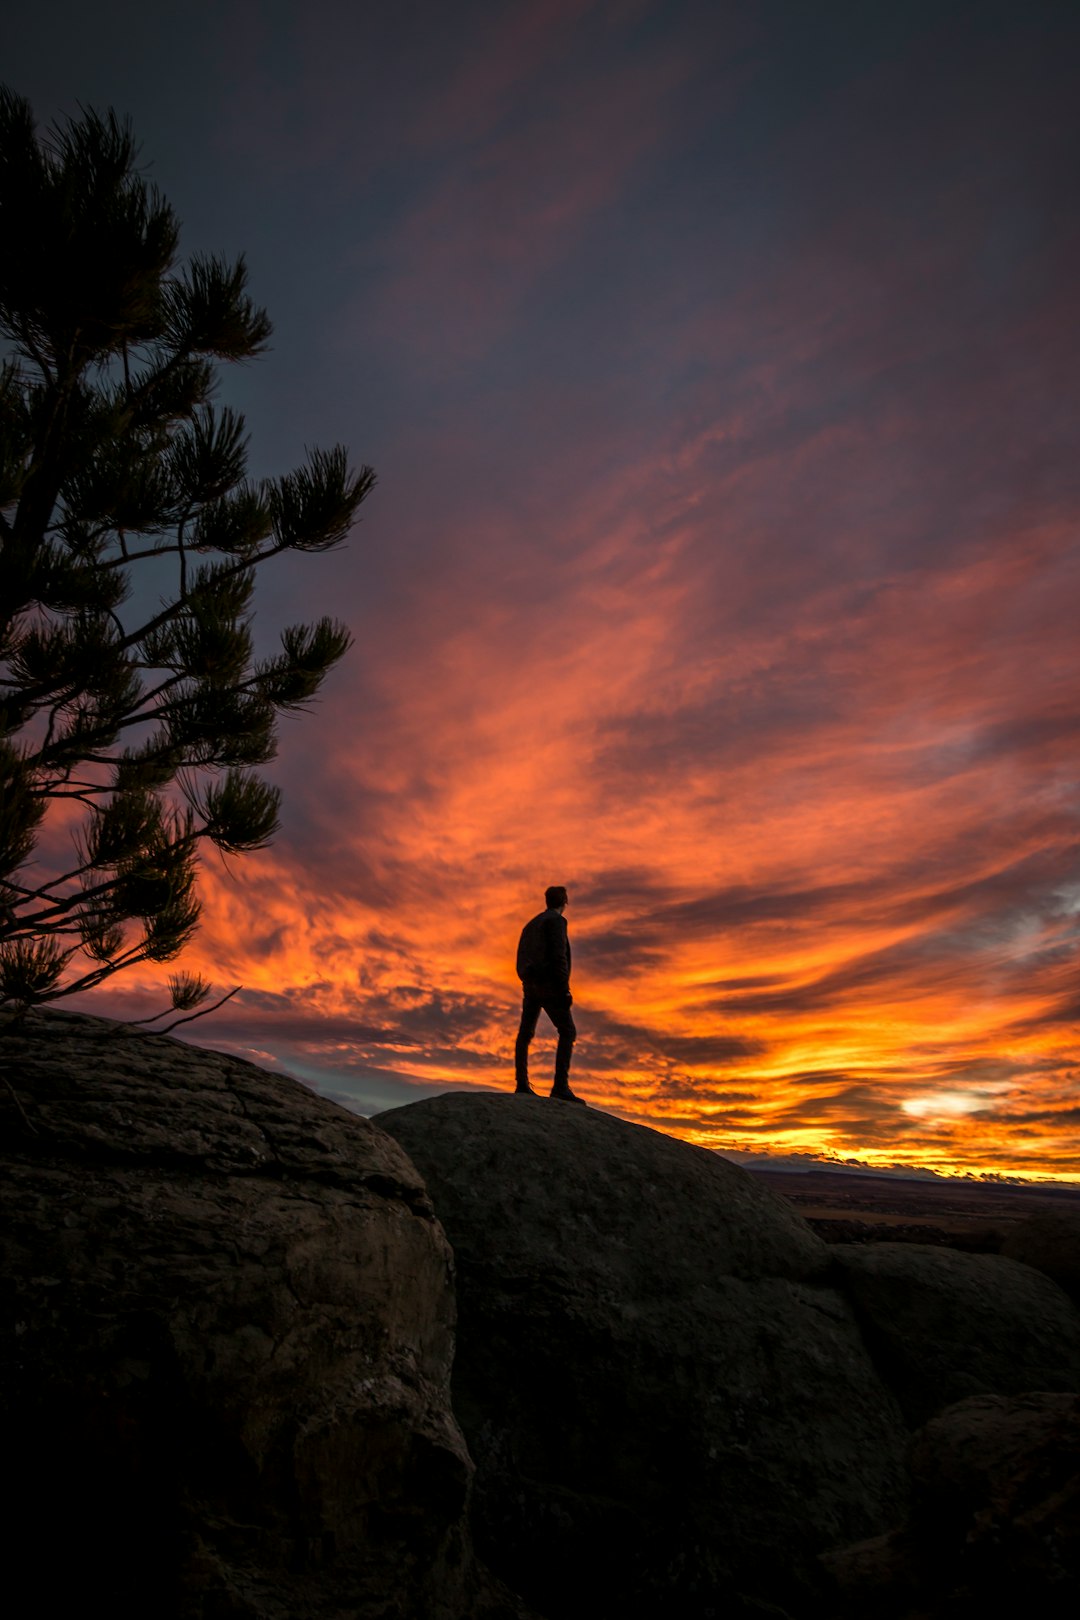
(530, 1012)
(558, 1010)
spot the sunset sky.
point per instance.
(720, 367)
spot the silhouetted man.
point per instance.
(543, 966)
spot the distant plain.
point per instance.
(971, 1215)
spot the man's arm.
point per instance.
(558, 952)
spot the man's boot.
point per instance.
(561, 1091)
(522, 1087)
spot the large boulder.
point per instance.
(1050, 1242)
(994, 1526)
(669, 1408)
(226, 1344)
(944, 1325)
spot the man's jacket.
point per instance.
(543, 954)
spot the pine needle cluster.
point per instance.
(115, 459)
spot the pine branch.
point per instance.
(190, 1018)
(114, 455)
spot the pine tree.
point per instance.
(116, 470)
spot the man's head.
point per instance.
(555, 897)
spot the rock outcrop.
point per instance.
(228, 1323)
(669, 1406)
(227, 1335)
(944, 1325)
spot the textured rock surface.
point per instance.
(669, 1408)
(995, 1522)
(1050, 1243)
(226, 1343)
(943, 1326)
